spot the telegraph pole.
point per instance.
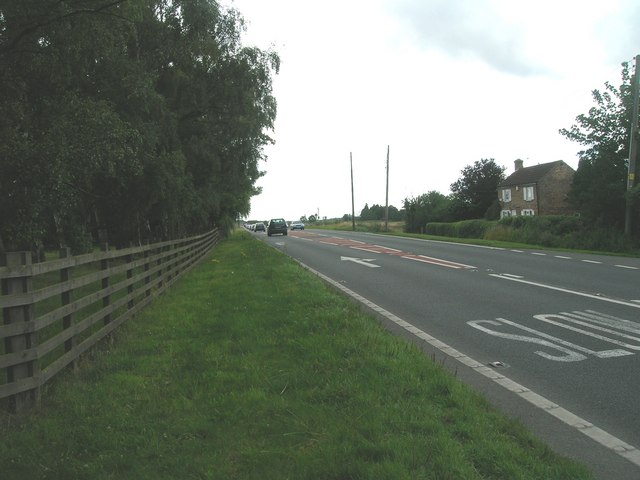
(353, 207)
(386, 208)
(633, 149)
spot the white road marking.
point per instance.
(388, 248)
(568, 317)
(627, 267)
(563, 257)
(539, 254)
(602, 437)
(573, 292)
(361, 261)
(591, 261)
(570, 356)
(371, 250)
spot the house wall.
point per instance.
(553, 189)
(518, 203)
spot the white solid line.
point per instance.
(605, 439)
(432, 262)
(387, 248)
(370, 250)
(573, 292)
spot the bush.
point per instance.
(464, 229)
(561, 231)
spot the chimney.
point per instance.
(518, 164)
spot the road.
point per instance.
(551, 338)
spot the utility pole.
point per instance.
(633, 149)
(353, 207)
(386, 208)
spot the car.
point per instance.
(277, 225)
(296, 226)
(259, 227)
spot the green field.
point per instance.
(251, 368)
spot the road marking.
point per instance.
(388, 248)
(563, 257)
(436, 261)
(627, 267)
(602, 437)
(371, 250)
(539, 254)
(512, 276)
(361, 261)
(591, 261)
(573, 292)
(568, 348)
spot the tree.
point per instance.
(599, 185)
(475, 192)
(127, 120)
(429, 207)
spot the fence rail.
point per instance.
(56, 310)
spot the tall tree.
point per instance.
(476, 190)
(137, 119)
(429, 207)
(599, 185)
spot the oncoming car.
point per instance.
(297, 226)
(277, 225)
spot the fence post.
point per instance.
(19, 343)
(106, 300)
(66, 275)
(147, 280)
(129, 260)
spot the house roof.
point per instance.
(527, 175)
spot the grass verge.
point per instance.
(250, 368)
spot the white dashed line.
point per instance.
(591, 261)
(627, 267)
(539, 254)
(563, 257)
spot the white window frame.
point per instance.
(528, 212)
(528, 193)
(506, 195)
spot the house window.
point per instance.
(527, 193)
(507, 213)
(506, 195)
(528, 212)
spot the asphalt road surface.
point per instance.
(551, 338)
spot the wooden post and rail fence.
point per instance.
(54, 311)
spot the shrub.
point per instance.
(464, 229)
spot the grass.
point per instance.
(250, 368)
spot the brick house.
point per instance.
(538, 190)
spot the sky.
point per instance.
(441, 84)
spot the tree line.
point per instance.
(599, 188)
(127, 120)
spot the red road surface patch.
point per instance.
(379, 249)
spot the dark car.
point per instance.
(277, 225)
(297, 226)
(259, 227)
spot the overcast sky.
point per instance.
(443, 83)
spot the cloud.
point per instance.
(468, 28)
